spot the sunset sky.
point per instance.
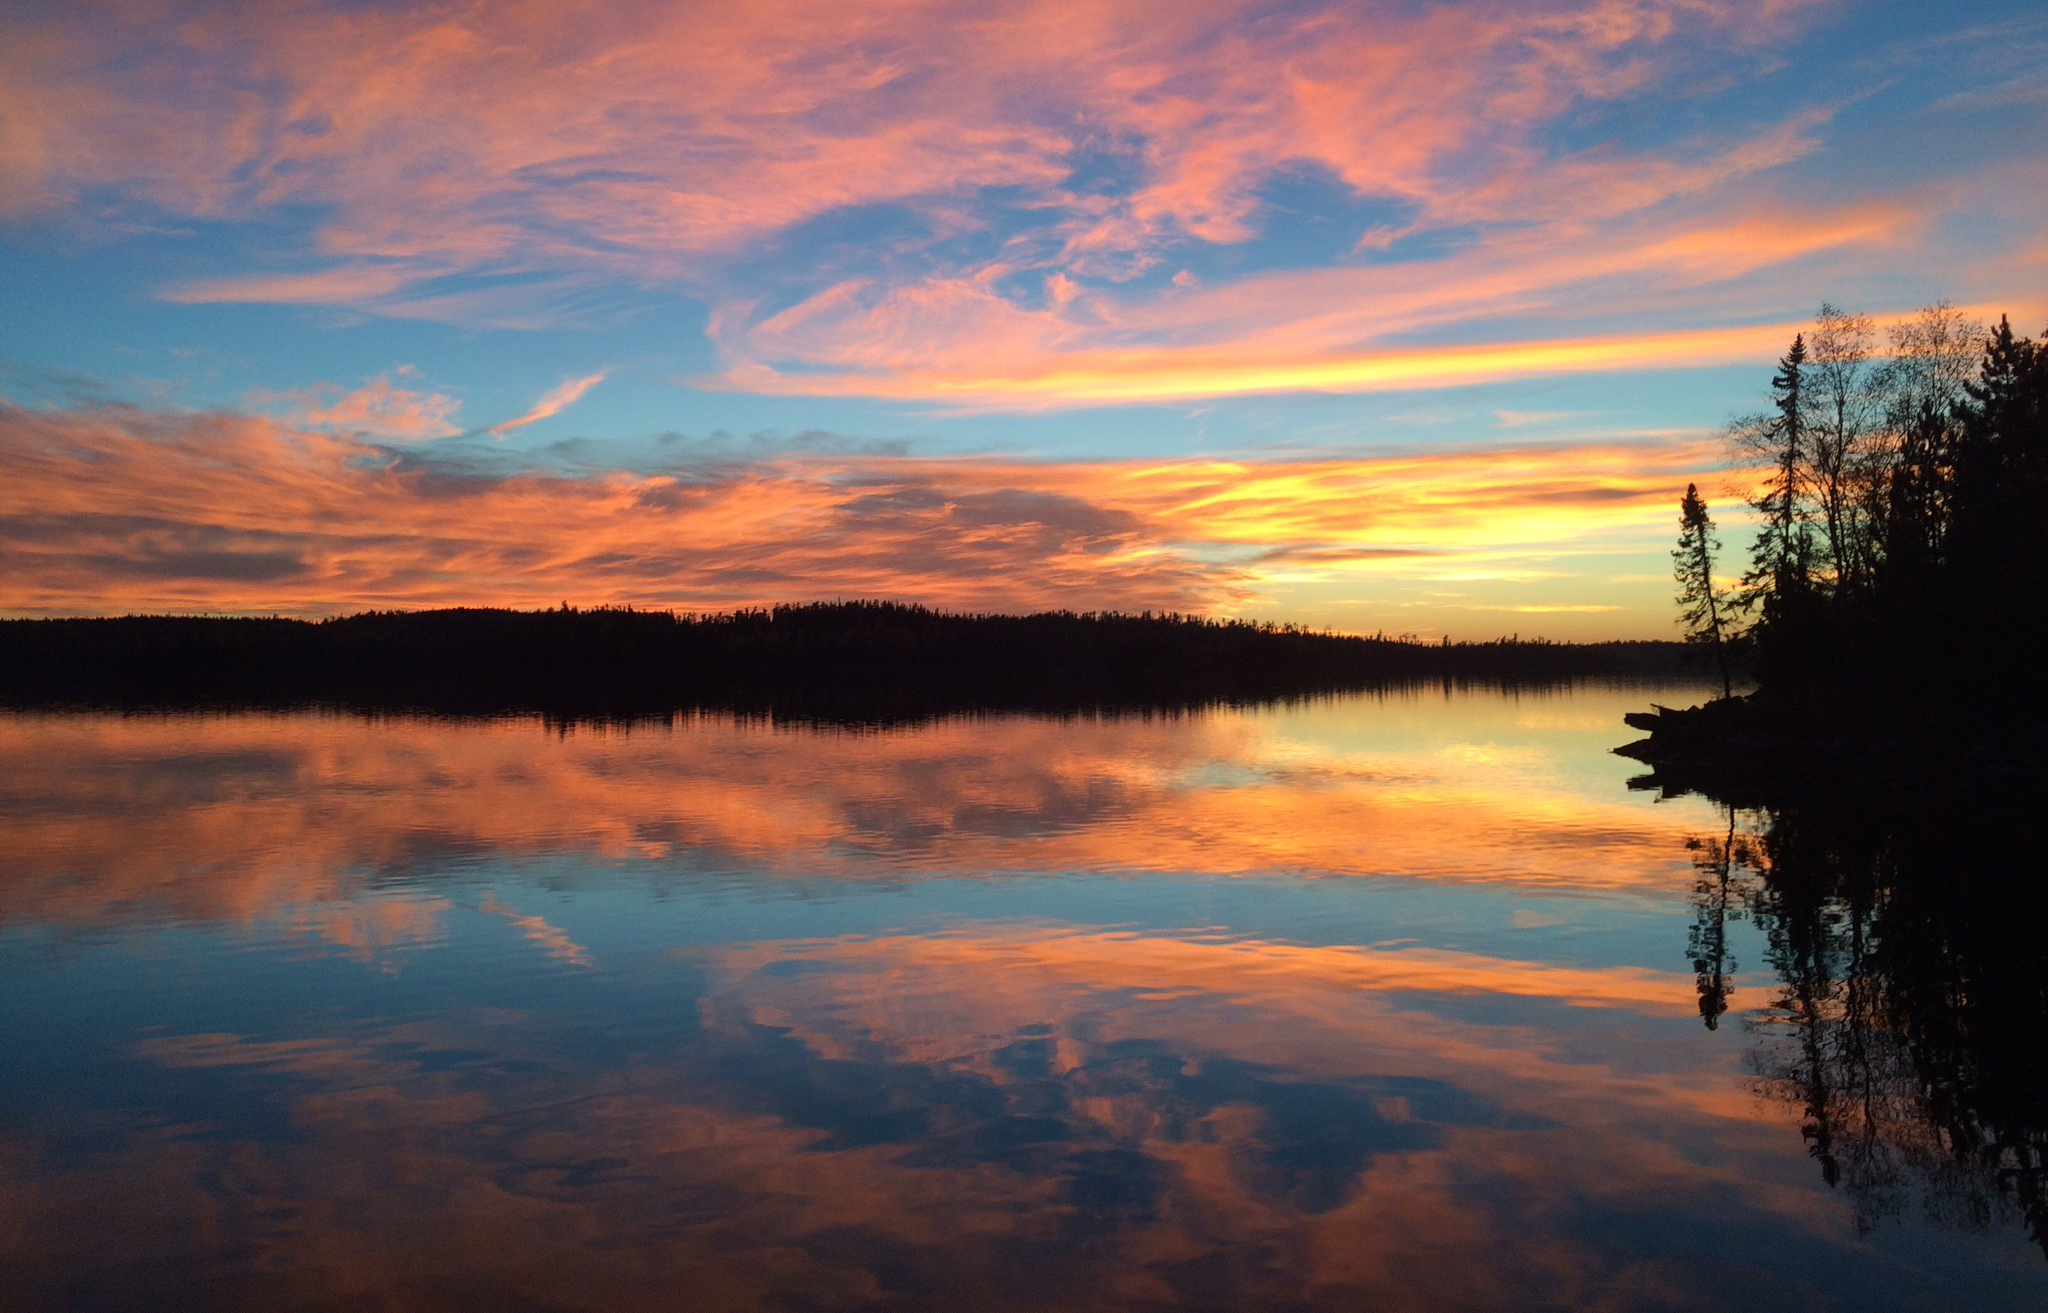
(1376, 316)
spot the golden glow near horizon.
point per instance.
(128, 512)
(1112, 376)
(1216, 307)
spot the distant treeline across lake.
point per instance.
(855, 660)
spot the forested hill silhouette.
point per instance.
(854, 660)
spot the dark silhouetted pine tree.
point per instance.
(1699, 601)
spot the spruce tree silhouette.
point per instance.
(1699, 601)
(1782, 563)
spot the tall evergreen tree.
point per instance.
(2002, 447)
(1999, 536)
(1781, 563)
(1699, 602)
(1920, 487)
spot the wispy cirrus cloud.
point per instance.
(552, 402)
(338, 285)
(865, 192)
(648, 129)
(1169, 374)
(960, 341)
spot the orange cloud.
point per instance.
(114, 509)
(539, 931)
(1458, 1153)
(377, 409)
(1017, 1064)
(1466, 1180)
(718, 153)
(1165, 966)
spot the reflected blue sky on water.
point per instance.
(1382, 1000)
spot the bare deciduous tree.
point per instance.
(1845, 411)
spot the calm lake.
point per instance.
(1392, 1001)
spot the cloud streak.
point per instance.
(1331, 329)
(552, 402)
(1178, 374)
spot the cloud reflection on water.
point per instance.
(239, 817)
(318, 1010)
(991, 1124)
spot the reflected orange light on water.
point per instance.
(297, 812)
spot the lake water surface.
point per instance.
(1390, 1001)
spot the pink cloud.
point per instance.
(552, 402)
(1077, 376)
(646, 138)
(652, 144)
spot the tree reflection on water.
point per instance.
(1911, 1000)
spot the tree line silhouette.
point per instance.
(861, 661)
(1900, 563)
